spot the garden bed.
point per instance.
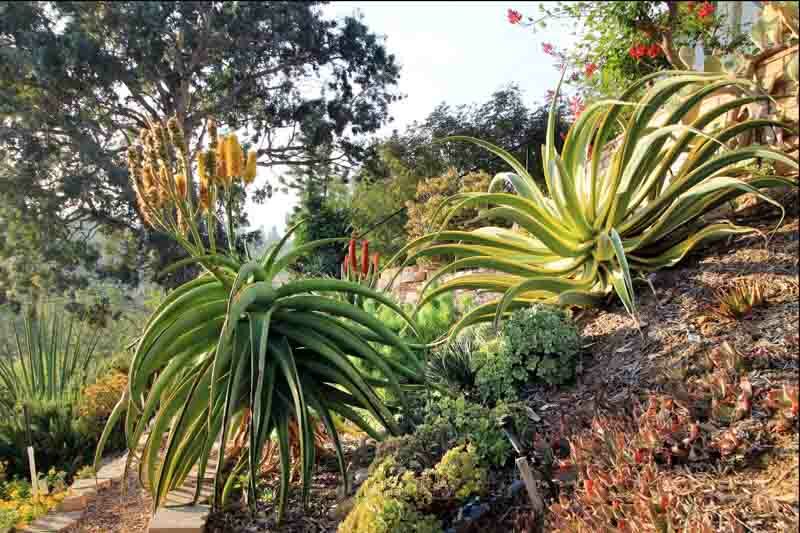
(754, 487)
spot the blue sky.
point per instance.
(458, 52)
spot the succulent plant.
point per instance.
(739, 299)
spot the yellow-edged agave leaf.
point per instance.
(597, 227)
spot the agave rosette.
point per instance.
(230, 343)
(594, 228)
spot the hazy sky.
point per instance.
(458, 52)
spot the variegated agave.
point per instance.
(595, 228)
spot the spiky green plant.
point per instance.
(738, 300)
(595, 228)
(48, 357)
(230, 342)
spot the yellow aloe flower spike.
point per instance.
(220, 169)
(201, 167)
(148, 183)
(250, 169)
(212, 131)
(205, 200)
(233, 158)
(180, 185)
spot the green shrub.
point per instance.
(460, 473)
(388, 501)
(536, 343)
(7, 519)
(55, 438)
(61, 438)
(454, 420)
(87, 472)
(394, 498)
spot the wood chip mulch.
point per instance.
(116, 512)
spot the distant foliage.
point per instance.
(389, 178)
(80, 79)
(432, 192)
(323, 220)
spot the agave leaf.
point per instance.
(597, 230)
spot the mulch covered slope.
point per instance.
(754, 487)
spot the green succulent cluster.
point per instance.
(538, 343)
(397, 499)
(456, 420)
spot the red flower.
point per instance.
(640, 456)
(351, 253)
(375, 259)
(653, 50)
(706, 9)
(664, 502)
(364, 257)
(590, 69)
(514, 16)
(637, 50)
(548, 49)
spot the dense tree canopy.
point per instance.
(79, 79)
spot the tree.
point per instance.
(79, 79)
(384, 186)
(389, 179)
(31, 262)
(324, 208)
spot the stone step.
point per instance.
(54, 522)
(185, 519)
(178, 514)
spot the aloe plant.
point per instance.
(229, 342)
(595, 228)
